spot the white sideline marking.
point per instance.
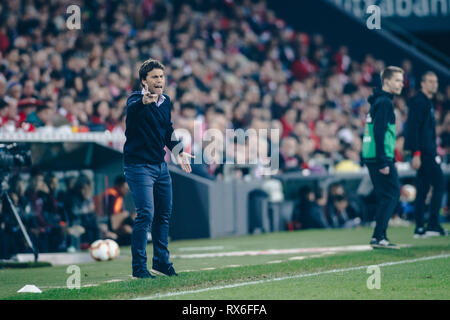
(241, 284)
(272, 252)
(232, 266)
(275, 261)
(297, 258)
(326, 253)
(210, 248)
(89, 284)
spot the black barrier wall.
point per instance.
(208, 209)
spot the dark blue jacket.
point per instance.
(148, 129)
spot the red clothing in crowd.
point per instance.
(302, 68)
(287, 127)
(4, 43)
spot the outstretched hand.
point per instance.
(184, 161)
(385, 170)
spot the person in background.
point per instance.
(65, 198)
(342, 214)
(311, 213)
(100, 116)
(54, 215)
(41, 117)
(38, 224)
(378, 152)
(290, 161)
(342, 211)
(82, 212)
(25, 107)
(421, 142)
(120, 221)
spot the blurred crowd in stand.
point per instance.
(229, 65)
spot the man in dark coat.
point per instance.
(420, 140)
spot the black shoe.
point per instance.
(419, 233)
(436, 232)
(373, 241)
(383, 244)
(142, 275)
(167, 270)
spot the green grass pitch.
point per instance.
(242, 268)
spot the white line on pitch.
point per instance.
(209, 248)
(273, 252)
(89, 284)
(304, 275)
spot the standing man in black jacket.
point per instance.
(420, 140)
(378, 152)
(148, 130)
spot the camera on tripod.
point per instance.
(14, 155)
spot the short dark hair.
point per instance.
(48, 177)
(3, 104)
(96, 105)
(119, 180)
(36, 171)
(188, 105)
(340, 197)
(42, 107)
(219, 110)
(388, 72)
(148, 66)
(428, 73)
(81, 181)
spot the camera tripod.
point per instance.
(10, 207)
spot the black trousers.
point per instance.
(387, 193)
(429, 174)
